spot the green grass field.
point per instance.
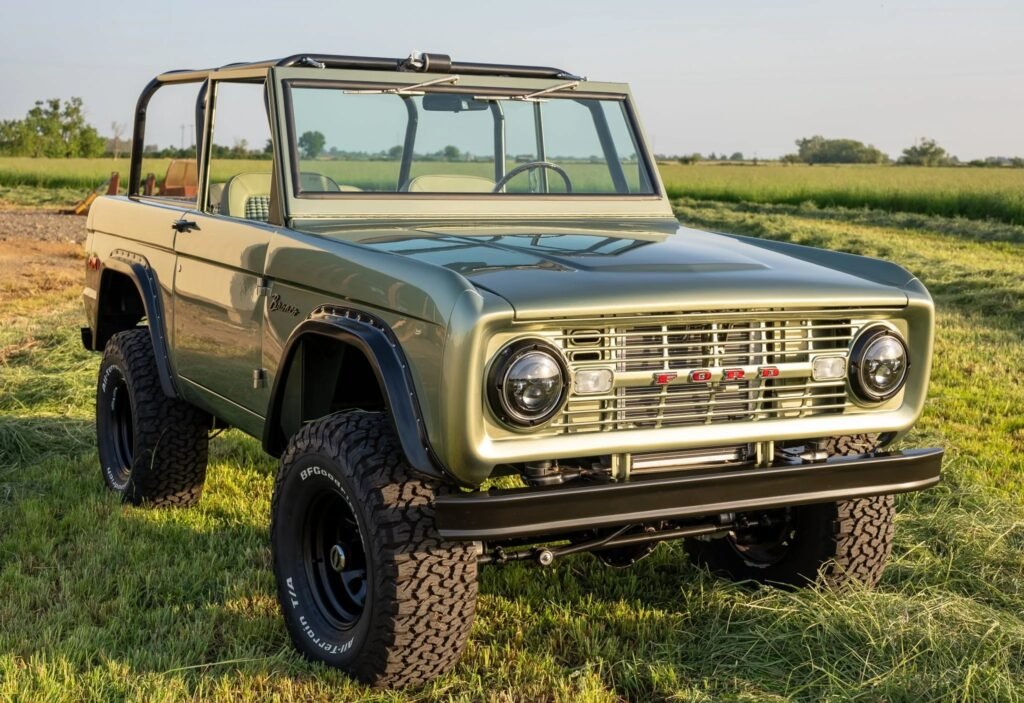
(973, 193)
(103, 602)
(86, 174)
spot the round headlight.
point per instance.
(527, 383)
(878, 363)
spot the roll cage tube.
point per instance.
(416, 63)
(409, 145)
(429, 62)
(498, 113)
(139, 123)
(611, 154)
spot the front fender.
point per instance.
(377, 342)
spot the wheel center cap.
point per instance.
(337, 557)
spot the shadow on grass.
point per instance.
(948, 605)
(88, 580)
(165, 595)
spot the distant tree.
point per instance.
(268, 148)
(312, 144)
(118, 130)
(690, 158)
(712, 156)
(791, 159)
(819, 150)
(926, 152)
(736, 156)
(51, 129)
(451, 153)
(395, 152)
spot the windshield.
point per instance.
(405, 140)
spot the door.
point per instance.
(220, 299)
(219, 306)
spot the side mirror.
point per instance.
(450, 102)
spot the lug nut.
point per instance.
(545, 557)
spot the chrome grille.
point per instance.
(639, 352)
(694, 346)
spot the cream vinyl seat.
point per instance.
(449, 183)
(247, 195)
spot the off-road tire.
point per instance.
(152, 448)
(421, 594)
(832, 545)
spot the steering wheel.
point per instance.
(530, 166)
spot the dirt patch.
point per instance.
(34, 225)
(41, 258)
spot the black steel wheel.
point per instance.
(364, 581)
(119, 434)
(335, 559)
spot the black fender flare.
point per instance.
(375, 339)
(137, 269)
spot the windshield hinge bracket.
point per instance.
(413, 89)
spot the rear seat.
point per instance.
(247, 195)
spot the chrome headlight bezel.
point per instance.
(865, 340)
(498, 376)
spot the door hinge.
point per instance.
(259, 378)
(262, 286)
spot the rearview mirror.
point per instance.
(450, 102)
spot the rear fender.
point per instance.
(101, 329)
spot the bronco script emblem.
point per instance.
(277, 304)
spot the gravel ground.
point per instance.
(41, 260)
(40, 226)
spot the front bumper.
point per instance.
(532, 512)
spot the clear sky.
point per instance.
(708, 76)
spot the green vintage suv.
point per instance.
(454, 300)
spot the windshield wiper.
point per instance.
(413, 89)
(534, 96)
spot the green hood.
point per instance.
(549, 272)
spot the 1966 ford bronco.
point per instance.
(454, 300)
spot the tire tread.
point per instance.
(171, 439)
(426, 587)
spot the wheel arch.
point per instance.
(128, 291)
(358, 342)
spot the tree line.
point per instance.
(52, 129)
(58, 129)
(820, 150)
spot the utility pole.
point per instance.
(182, 137)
